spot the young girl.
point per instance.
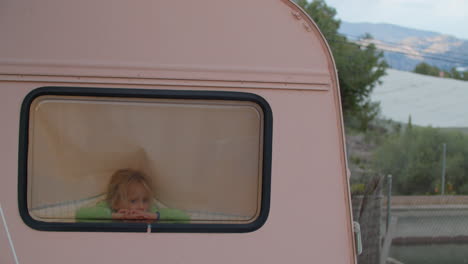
(130, 197)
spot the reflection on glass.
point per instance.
(164, 160)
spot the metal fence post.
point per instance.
(442, 187)
(389, 201)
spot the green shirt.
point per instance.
(102, 211)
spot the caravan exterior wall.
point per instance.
(231, 107)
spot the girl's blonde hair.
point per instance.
(118, 184)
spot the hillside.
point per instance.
(405, 47)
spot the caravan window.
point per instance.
(204, 158)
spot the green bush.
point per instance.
(463, 189)
(414, 158)
(358, 189)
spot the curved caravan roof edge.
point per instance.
(335, 83)
(332, 68)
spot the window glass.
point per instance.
(99, 158)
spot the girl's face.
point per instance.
(138, 198)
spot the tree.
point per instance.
(459, 75)
(414, 158)
(426, 69)
(455, 74)
(360, 67)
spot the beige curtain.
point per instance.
(201, 155)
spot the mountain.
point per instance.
(404, 48)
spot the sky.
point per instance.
(443, 16)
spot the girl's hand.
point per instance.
(121, 214)
(145, 215)
(126, 214)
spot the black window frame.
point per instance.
(143, 93)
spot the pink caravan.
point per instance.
(229, 111)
